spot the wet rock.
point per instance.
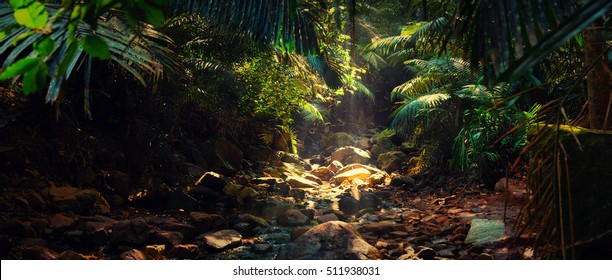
(208, 222)
(38, 253)
(183, 252)
(133, 254)
(72, 255)
(349, 175)
(404, 182)
(167, 238)
(292, 218)
(91, 201)
(247, 224)
(369, 200)
(212, 180)
(349, 205)
(349, 154)
(426, 254)
(155, 252)
(302, 183)
(327, 218)
(484, 231)
(335, 165)
(135, 231)
(223, 239)
(60, 222)
(261, 249)
(329, 241)
(323, 173)
(391, 161)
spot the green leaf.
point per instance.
(96, 47)
(153, 15)
(7, 30)
(44, 46)
(18, 4)
(19, 67)
(34, 16)
(35, 79)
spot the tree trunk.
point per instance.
(599, 79)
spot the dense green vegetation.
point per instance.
(471, 80)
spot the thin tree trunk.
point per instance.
(599, 80)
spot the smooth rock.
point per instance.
(292, 218)
(350, 154)
(64, 198)
(329, 241)
(348, 175)
(369, 200)
(323, 173)
(405, 182)
(261, 249)
(167, 238)
(302, 183)
(349, 205)
(91, 201)
(155, 252)
(223, 239)
(327, 218)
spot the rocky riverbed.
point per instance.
(356, 203)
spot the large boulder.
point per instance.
(225, 157)
(338, 139)
(391, 161)
(208, 222)
(350, 154)
(383, 146)
(334, 240)
(92, 202)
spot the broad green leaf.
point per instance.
(96, 47)
(35, 79)
(44, 46)
(22, 37)
(18, 4)
(20, 67)
(34, 16)
(7, 30)
(153, 15)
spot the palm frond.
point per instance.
(411, 108)
(311, 112)
(287, 24)
(508, 37)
